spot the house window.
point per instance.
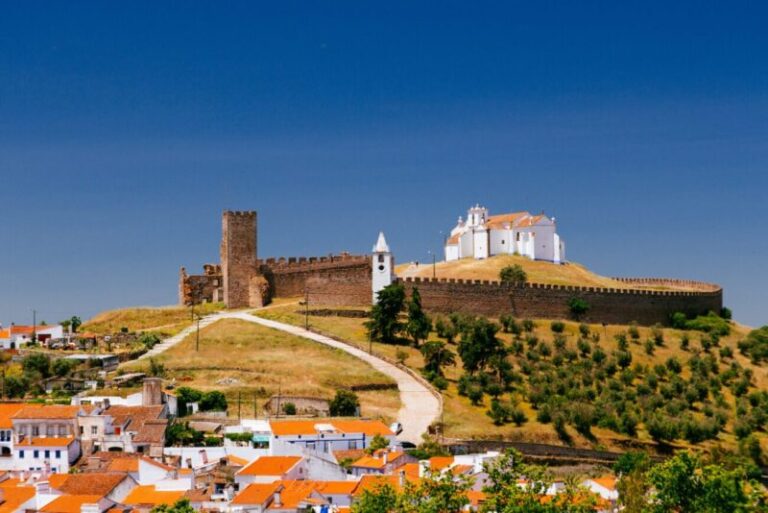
(21, 455)
(36, 454)
(352, 444)
(118, 430)
(35, 431)
(47, 454)
(502, 242)
(94, 430)
(58, 454)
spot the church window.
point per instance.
(381, 259)
(502, 241)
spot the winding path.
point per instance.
(420, 405)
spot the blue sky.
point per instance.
(125, 130)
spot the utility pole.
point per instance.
(34, 326)
(306, 308)
(239, 403)
(197, 336)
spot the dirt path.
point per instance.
(420, 406)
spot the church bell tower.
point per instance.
(383, 266)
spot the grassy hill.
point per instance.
(258, 362)
(166, 320)
(559, 372)
(488, 269)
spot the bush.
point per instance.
(344, 404)
(578, 307)
(755, 345)
(650, 347)
(657, 334)
(584, 330)
(499, 413)
(213, 401)
(634, 333)
(528, 325)
(518, 417)
(710, 323)
(510, 324)
(557, 326)
(289, 409)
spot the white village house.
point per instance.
(518, 233)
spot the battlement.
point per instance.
(240, 213)
(704, 289)
(290, 264)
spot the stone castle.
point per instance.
(242, 279)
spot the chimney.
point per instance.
(152, 393)
(42, 487)
(401, 478)
(204, 456)
(386, 457)
(276, 501)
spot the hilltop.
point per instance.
(538, 271)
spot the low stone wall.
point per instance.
(607, 305)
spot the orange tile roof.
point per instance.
(335, 487)
(499, 220)
(411, 470)
(309, 427)
(8, 410)
(149, 495)
(475, 497)
(270, 466)
(90, 483)
(236, 460)
(10, 482)
(440, 462)
(453, 239)
(47, 412)
(461, 469)
(377, 460)
(69, 503)
(294, 493)
(608, 482)
(5, 333)
(124, 465)
(15, 496)
(367, 427)
(56, 480)
(256, 493)
(45, 442)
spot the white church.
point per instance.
(483, 235)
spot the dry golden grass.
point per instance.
(463, 420)
(167, 320)
(538, 272)
(239, 357)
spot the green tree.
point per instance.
(685, 484)
(75, 322)
(514, 276)
(344, 404)
(578, 307)
(436, 356)
(62, 367)
(419, 324)
(384, 324)
(381, 499)
(289, 409)
(377, 442)
(185, 396)
(180, 506)
(478, 344)
(37, 362)
(213, 401)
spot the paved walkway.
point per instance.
(420, 407)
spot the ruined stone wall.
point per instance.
(200, 288)
(238, 257)
(613, 306)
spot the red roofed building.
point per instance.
(328, 435)
(268, 469)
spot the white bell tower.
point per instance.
(382, 266)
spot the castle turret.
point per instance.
(383, 266)
(238, 257)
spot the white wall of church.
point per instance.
(480, 243)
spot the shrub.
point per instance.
(557, 326)
(445, 329)
(289, 409)
(518, 416)
(213, 401)
(344, 404)
(634, 332)
(621, 340)
(584, 330)
(499, 413)
(685, 342)
(649, 346)
(510, 324)
(657, 334)
(578, 307)
(528, 325)
(742, 428)
(755, 345)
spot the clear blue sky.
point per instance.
(126, 130)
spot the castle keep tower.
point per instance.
(238, 257)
